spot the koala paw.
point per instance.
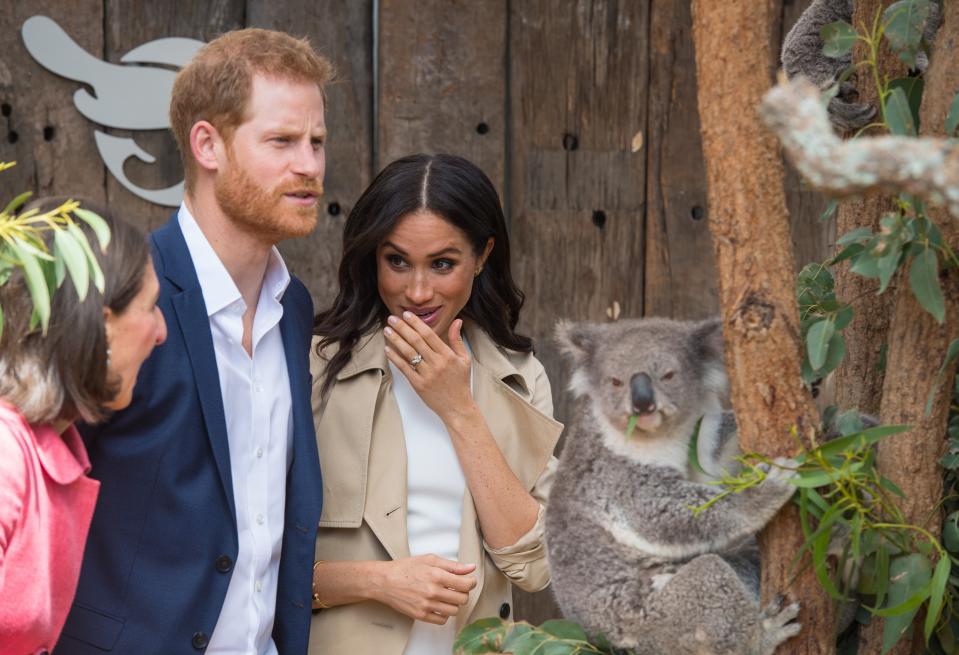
(849, 116)
(778, 624)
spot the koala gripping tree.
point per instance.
(749, 224)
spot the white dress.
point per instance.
(435, 488)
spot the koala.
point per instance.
(629, 559)
(802, 54)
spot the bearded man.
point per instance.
(203, 535)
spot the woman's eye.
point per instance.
(394, 260)
(668, 375)
(616, 382)
(443, 264)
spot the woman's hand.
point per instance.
(426, 588)
(442, 378)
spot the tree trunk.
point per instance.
(859, 378)
(917, 345)
(750, 229)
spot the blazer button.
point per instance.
(504, 611)
(200, 640)
(224, 564)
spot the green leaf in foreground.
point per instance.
(36, 283)
(97, 224)
(924, 282)
(909, 577)
(936, 595)
(483, 636)
(817, 342)
(898, 114)
(837, 39)
(66, 248)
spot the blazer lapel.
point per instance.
(191, 316)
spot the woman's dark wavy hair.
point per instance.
(454, 189)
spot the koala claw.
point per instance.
(849, 116)
(778, 625)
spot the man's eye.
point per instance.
(318, 144)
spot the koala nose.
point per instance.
(643, 396)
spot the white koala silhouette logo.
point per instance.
(126, 97)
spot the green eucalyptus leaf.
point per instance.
(891, 486)
(952, 118)
(483, 636)
(564, 629)
(631, 425)
(75, 259)
(837, 39)
(81, 238)
(15, 204)
(851, 251)
(866, 264)
(529, 643)
(950, 532)
(97, 224)
(909, 587)
(924, 282)
(844, 317)
(951, 353)
(898, 114)
(36, 284)
(936, 595)
(854, 236)
(832, 205)
(834, 355)
(859, 440)
(903, 23)
(817, 342)
(694, 449)
(912, 87)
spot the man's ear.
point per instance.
(207, 145)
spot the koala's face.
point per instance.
(663, 372)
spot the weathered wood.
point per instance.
(756, 283)
(131, 23)
(859, 378)
(343, 32)
(40, 128)
(578, 96)
(917, 344)
(680, 272)
(442, 81)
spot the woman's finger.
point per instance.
(451, 597)
(399, 344)
(411, 336)
(401, 364)
(456, 339)
(425, 332)
(445, 609)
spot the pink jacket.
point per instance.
(46, 504)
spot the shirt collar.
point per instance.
(219, 289)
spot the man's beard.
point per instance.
(262, 212)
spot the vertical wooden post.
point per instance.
(750, 229)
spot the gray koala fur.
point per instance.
(629, 559)
(802, 54)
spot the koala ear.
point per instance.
(707, 343)
(575, 340)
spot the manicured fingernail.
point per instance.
(391, 320)
(407, 315)
(388, 331)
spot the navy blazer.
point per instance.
(164, 539)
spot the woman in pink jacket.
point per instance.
(84, 367)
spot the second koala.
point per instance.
(629, 559)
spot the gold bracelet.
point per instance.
(317, 603)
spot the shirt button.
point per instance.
(259, 519)
(259, 586)
(259, 452)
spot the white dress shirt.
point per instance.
(259, 425)
(434, 500)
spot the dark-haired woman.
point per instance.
(434, 420)
(83, 368)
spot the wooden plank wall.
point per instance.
(549, 97)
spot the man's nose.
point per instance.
(310, 162)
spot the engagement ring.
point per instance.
(416, 361)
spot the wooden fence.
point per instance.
(582, 112)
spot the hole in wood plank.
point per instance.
(698, 213)
(48, 133)
(333, 209)
(599, 218)
(482, 128)
(12, 137)
(570, 142)
(6, 109)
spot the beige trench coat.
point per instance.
(363, 458)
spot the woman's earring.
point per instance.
(108, 356)
(478, 271)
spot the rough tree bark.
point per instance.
(858, 380)
(750, 229)
(917, 344)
